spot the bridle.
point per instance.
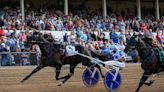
(151, 52)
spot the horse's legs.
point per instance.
(33, 72)
(72, 69)
(143, 81)
(99, 68)
(58, 69)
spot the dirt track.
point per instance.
(44, 81)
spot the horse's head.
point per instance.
(135, 42)
(49, 37)
(35, 38)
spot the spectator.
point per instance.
(122, 37)
(2, 22)
(162, 36)
(93, 36)
(72, 38)
(69, 26)
(13, 43)
(84, 37)
(5, 57)
(65, 38)
(105, 49)
(134, 54)
(22, 39)
(35, 55)
(59, 25)
(115, 37)
(24, 59)
(158, 37)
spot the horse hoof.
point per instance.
(22, 81)
(60, 84)
(151, 82)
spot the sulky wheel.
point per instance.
(111, 84)
(90, 77)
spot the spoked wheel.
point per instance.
(90, 77)
(111, 84)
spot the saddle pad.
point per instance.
(160, 53)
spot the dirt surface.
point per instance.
(44, 81)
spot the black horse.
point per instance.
(149, 60)
(52, 55)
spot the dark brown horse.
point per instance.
(149, 60)
(52, 55)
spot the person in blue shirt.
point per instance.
(84, 37)
(105, 48)
(65, 38)
(115, 37)
(13, 43)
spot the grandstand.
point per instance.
(84, 21)
(135, 7)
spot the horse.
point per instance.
(52, 56)
(149, 60)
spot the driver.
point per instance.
(118, 55)
(118, 59)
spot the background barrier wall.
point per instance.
(18, 58)
(58, 35)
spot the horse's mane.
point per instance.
(149, 41)
(145, 49)
(145, 42)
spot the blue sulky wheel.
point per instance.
(110, 84)
(90, 80)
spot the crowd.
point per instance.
(88, 29)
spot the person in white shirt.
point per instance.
(72, 38)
